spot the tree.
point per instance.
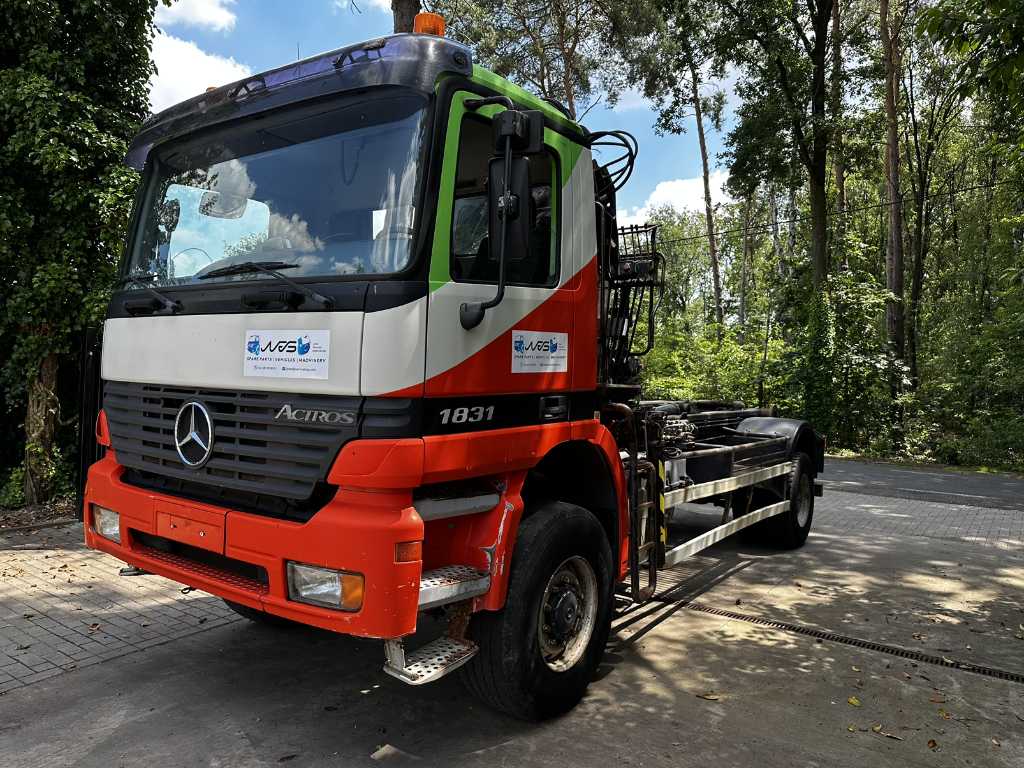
(73, 90)
(989, 36)
(891, 31)
(667, 55)
(934, 85)
(554, 48)
(784, 45)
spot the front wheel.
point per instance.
(538, 654)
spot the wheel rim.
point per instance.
(803, 503)
(568, 612)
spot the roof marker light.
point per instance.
(428, 24)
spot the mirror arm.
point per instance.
(472, 314)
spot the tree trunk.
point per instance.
(983, 276)
(404, 11)
(919, 252)
(838, 159)
(894, 245)
(791, 216)
(40, 428)
(819, 219)
(744, 266)
(817, 166)
(709, 215)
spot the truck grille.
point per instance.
(254, 456)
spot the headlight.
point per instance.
(327, 588)
(107, 523)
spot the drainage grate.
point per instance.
(892, 650)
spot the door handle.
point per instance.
(554, 408)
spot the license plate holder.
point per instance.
(190, 525)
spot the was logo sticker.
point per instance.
(539, 352)
(287, 354)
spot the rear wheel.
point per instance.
(538, 654)
(788, 530)
(258, 617)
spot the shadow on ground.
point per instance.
(677, 687)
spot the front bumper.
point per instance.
(357, 531)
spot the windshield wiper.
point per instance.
(168, 306)
(269, 268)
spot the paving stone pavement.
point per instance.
(859, 513)
(63, 606)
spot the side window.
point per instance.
(471, 260)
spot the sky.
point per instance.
(202, 43)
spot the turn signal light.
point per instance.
(408, 551)
(325, 587)
(428, 24)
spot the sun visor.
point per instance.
(412, 61)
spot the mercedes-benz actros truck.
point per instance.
(375, 351)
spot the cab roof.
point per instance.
(410, 60)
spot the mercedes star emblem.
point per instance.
(193, 434)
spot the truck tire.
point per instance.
(259, 617)
(537, 655)
(789, 530)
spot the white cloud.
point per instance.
(185, 70)
(208, 14)
(681, 194)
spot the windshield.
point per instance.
(329, 193)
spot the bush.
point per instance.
(12, 492)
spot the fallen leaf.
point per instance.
(855, 669)
(933, 744)
(937, 699)
(995, 742)
(853, 701)
(877, 727)
(93, 627)
(851, 728)
(709, 696)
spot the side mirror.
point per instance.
(516, 134)
(511, 209)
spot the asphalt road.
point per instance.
(948, 486)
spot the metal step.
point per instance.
(451, 584)
(431, 662)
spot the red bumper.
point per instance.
(357, 531)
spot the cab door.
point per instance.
(524, 344)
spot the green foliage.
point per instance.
(73, 90)
(554, 49)
(12, 491)
(988, 36)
